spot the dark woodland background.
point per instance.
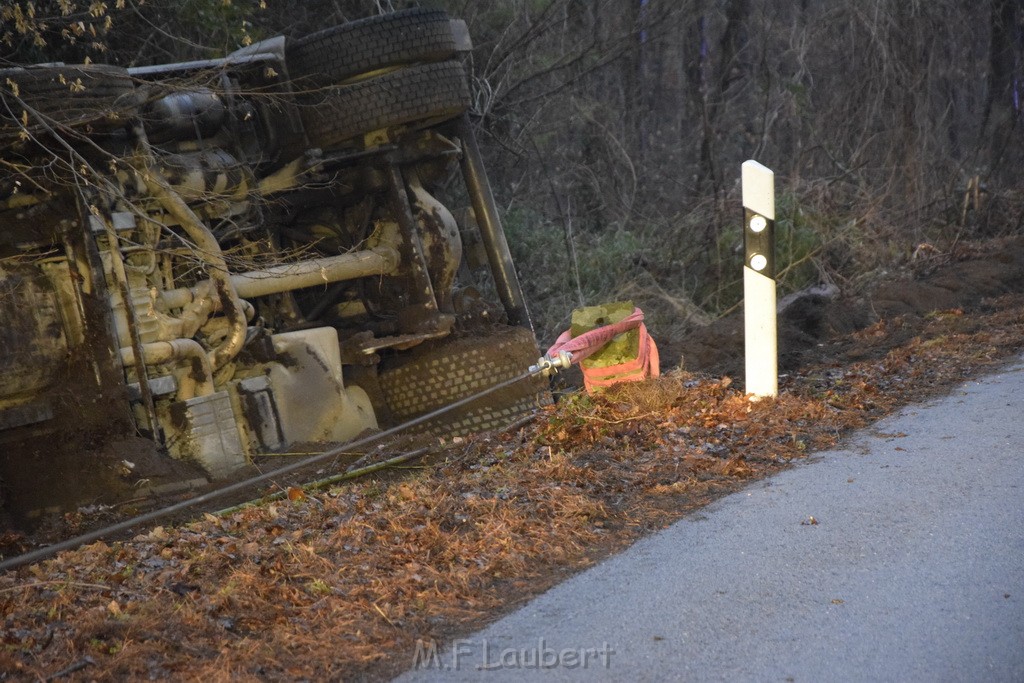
(614, 130)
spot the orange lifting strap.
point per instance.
(645, 364)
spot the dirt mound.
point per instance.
(815, 327)
(122, 472)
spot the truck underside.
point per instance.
(208, 261)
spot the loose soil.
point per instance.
(342, 583)
(817, 329)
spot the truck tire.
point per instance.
(95, 97)
(428, 93)
(340, 53)
(439, 376)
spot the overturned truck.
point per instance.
(225, 258)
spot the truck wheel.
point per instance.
(428, 93)
(337, 54)
(95, 97)
(437, 377)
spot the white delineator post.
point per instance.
(759, 318)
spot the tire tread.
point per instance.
(334, 55)
(461, 368)
(47, 89)
(426, 92)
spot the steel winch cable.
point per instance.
(544, 366)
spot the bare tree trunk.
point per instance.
(1003, 102)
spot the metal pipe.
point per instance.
(319, 271)
(200, 65)
(208, 249)
(291, 276)
(197, 382)
(491, 233)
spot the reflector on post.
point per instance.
(759, 319)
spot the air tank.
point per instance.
(186, 115)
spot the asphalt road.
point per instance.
(913, 572)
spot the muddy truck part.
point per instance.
(207, 261)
